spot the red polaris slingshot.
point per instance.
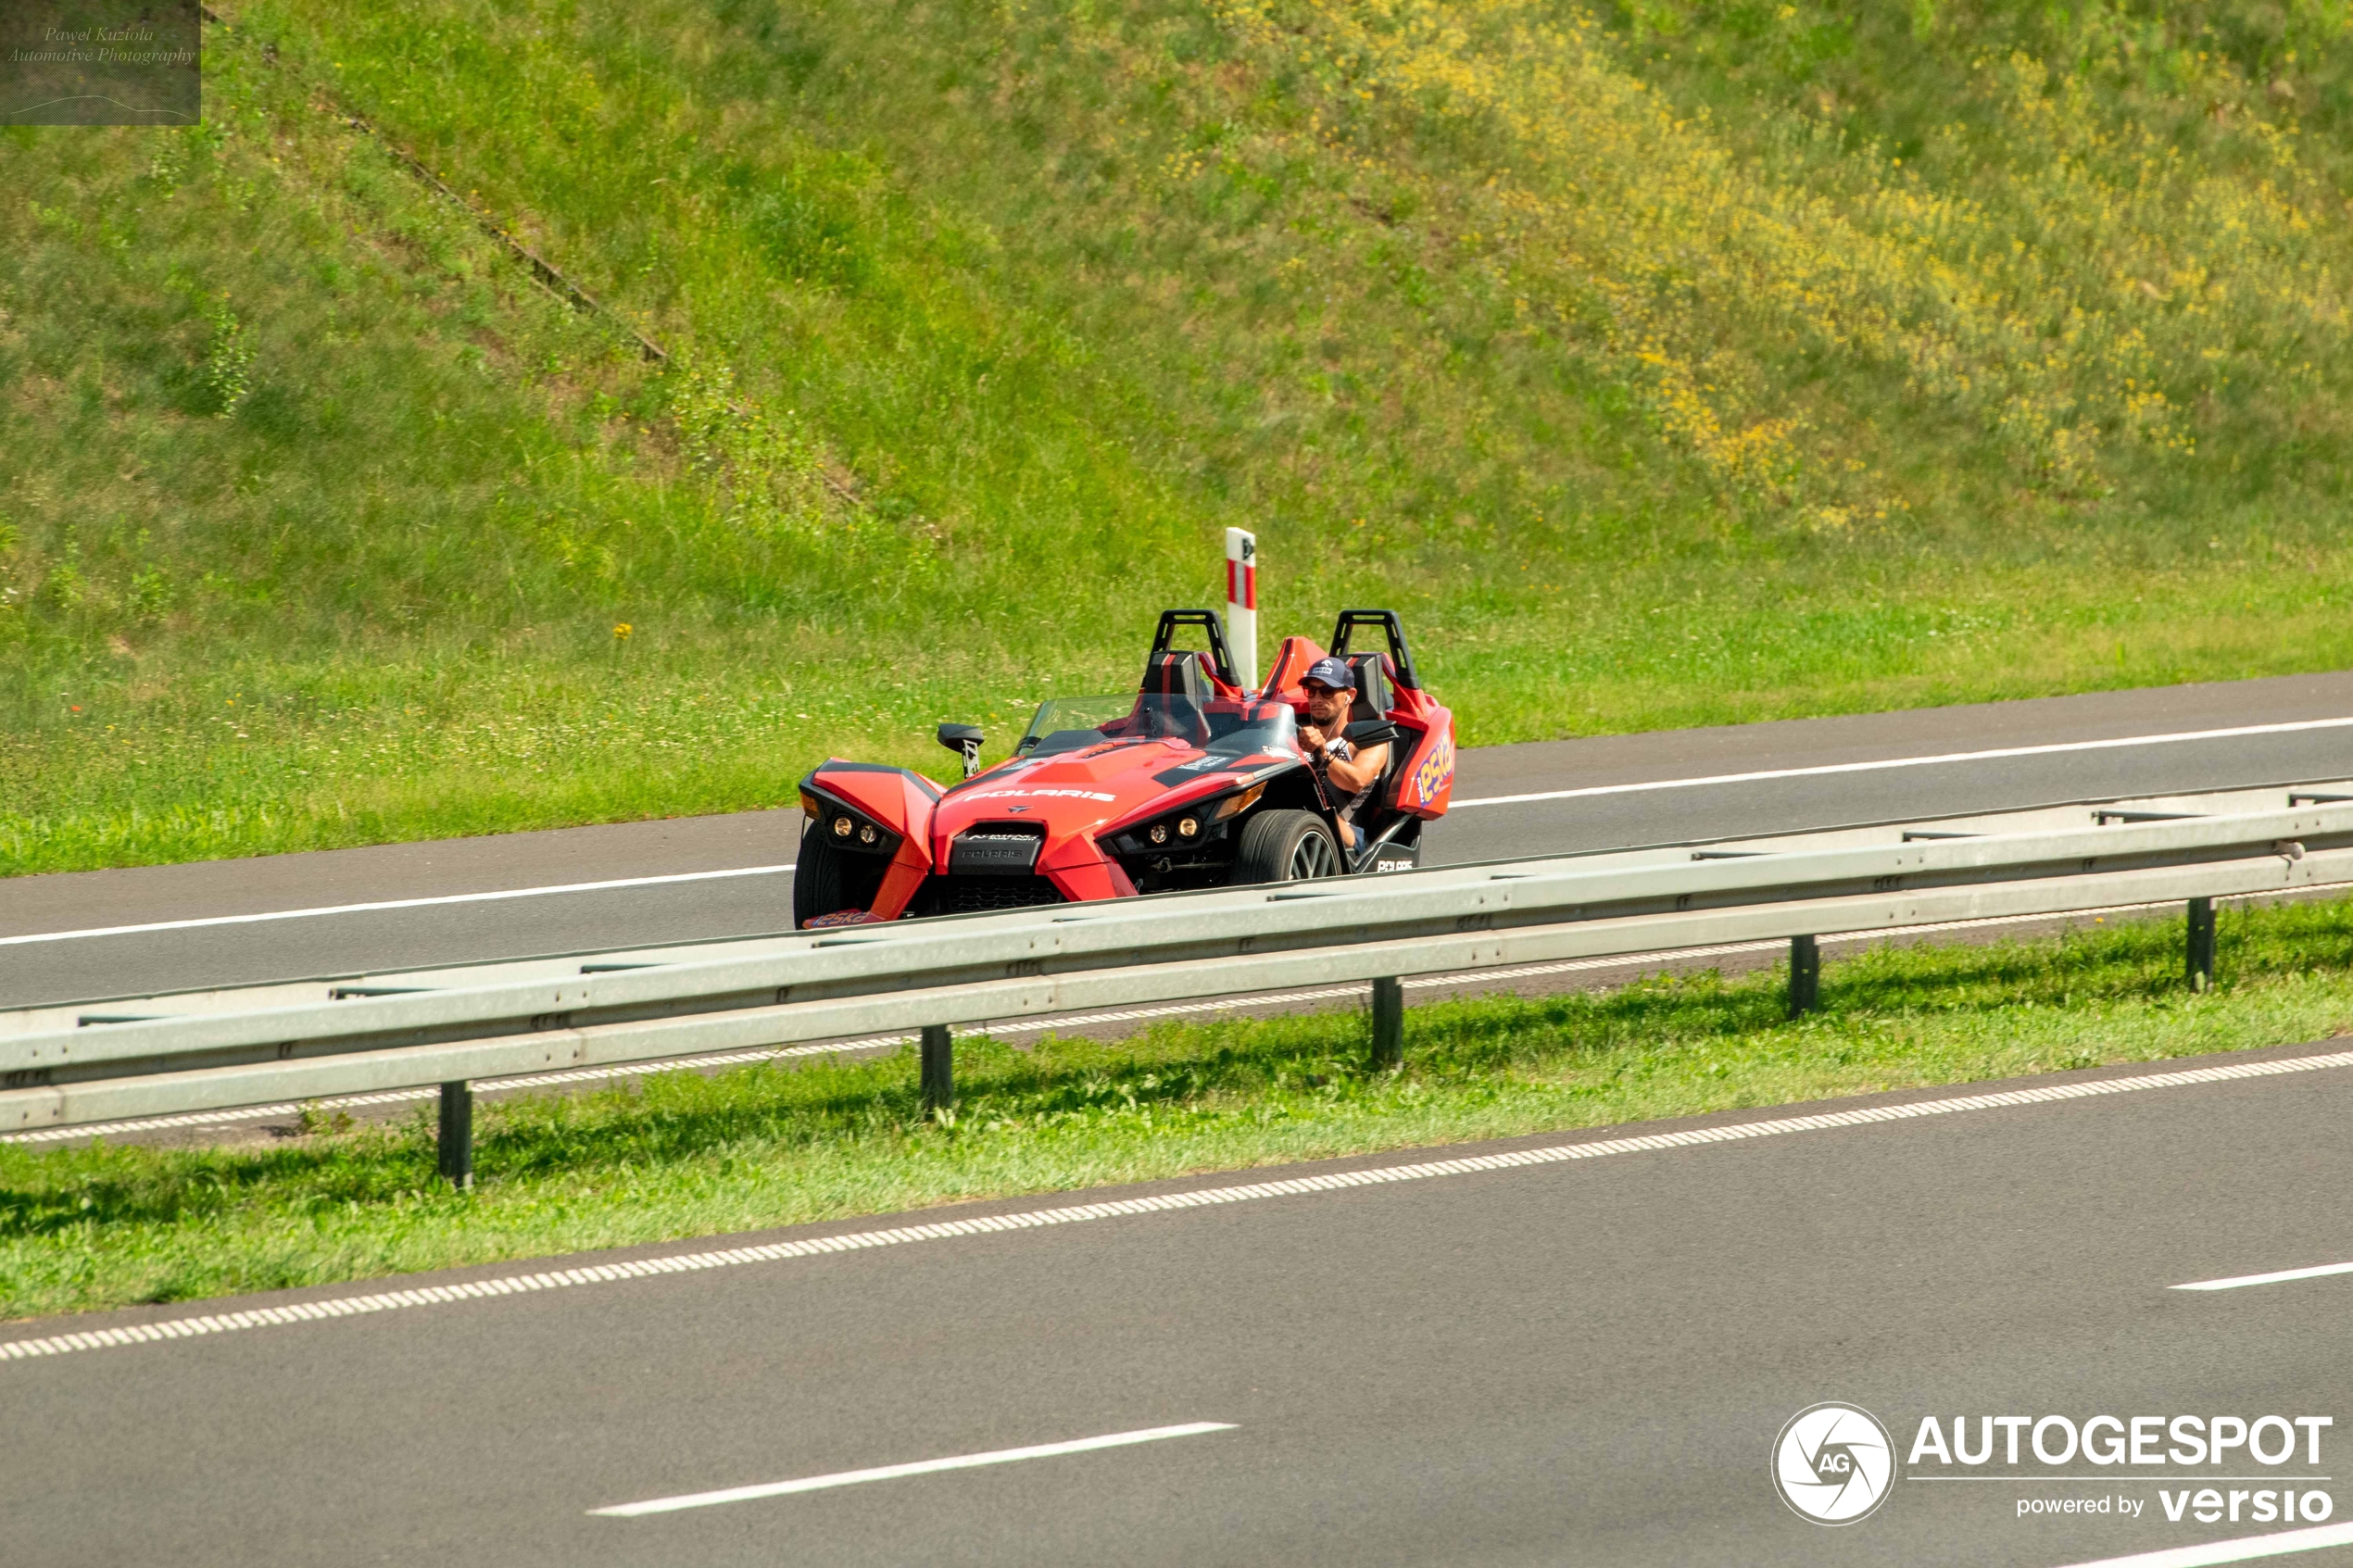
(1189, 782)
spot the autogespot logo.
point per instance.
(1833, 1463)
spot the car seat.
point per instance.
(1372, 700)
(1369, 724)
(1178, 680)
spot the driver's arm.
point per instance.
(1354, 772)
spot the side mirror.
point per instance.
(964, 740)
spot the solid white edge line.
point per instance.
(387, 904)
(919, 1467)
(105, 1335)
(2317, 1271)
(1757, 776)
(1828, 768)
(1816, 772)
(2244, 1549)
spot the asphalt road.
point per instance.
(1577, 1362)
(1622, 791)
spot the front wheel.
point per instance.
(1284, 846)
(827, 881)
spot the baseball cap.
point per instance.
(1333, 672)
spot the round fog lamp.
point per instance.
(842, 826)
(1187, 827)
(866, 833)
(1159, 834)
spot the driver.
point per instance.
(1350, 776)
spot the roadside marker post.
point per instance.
(939, 1068)
(2201, 944)
(1242, 603)
(1804, 975)
(1389, 1026)
(458, 1134)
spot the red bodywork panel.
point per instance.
(1077, 798)
(1426, 784)
(901, 800)
(1293, 656)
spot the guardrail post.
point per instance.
(1389, 1026)
(1804, 975)
(2201, 953)
(458, 1134)
(939, 1068)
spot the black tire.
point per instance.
(1284, 846)
(826, 881)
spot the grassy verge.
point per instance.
(1666, 363)
(681, 1155)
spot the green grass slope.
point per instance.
(1671, 364)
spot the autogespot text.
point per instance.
(2224, 1445)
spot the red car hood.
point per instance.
(1072, 795)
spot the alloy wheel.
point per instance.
(1312, 858)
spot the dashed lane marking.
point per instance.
(919, 1467)
(2280, 1276)
(2247, 1548)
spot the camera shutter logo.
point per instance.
(1833, 1463)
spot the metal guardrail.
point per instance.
(930, 976)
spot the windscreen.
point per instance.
(1066, 723)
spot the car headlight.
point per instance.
(1194, 824)
(847, 826)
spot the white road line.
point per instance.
(2244, 1549)
(2233, 1283)
(1994, 755)
(387, 904)
(920, 1467)
(101, 1337)
(1757, 776)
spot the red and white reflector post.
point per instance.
(1242, 603)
